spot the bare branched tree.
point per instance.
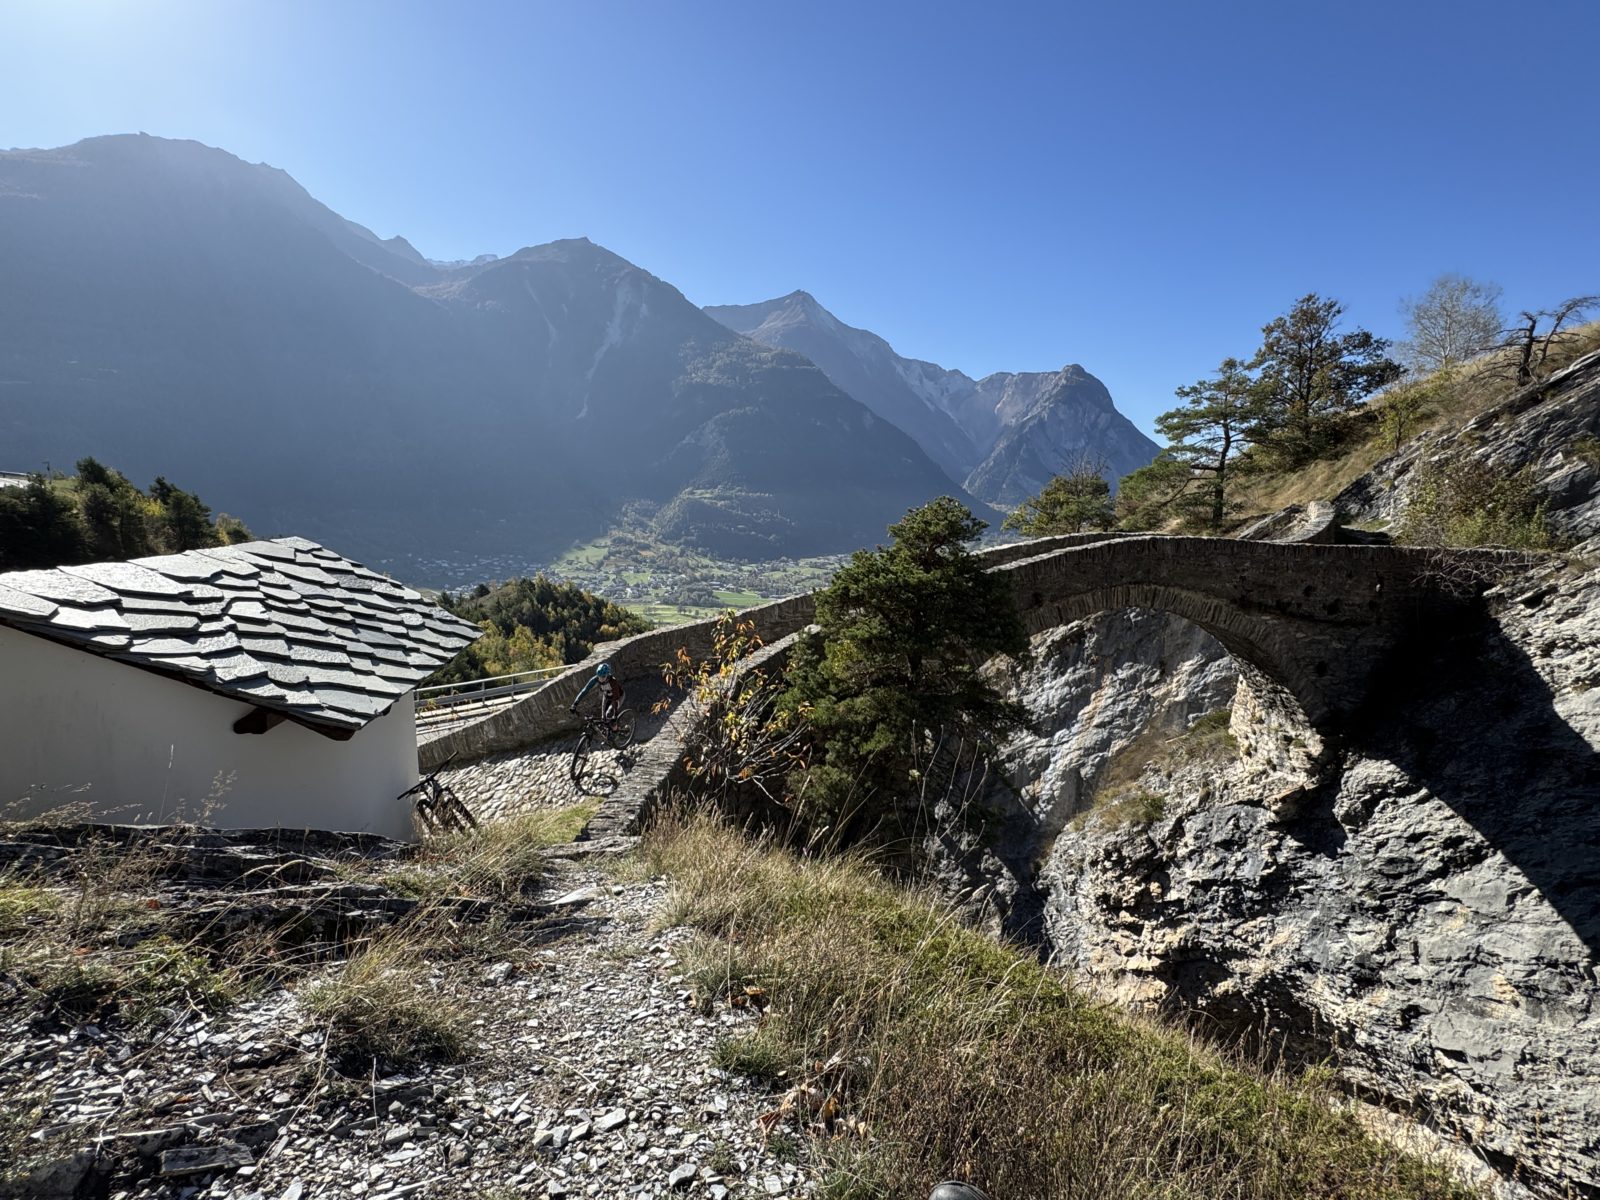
(1455, 319)
(1536, 333)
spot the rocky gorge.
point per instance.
(1414, 908)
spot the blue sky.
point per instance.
(1137, 188)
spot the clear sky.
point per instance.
(993, 186)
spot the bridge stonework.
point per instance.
(1310, 622)
(1310, 625)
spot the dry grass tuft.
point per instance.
(386, 1003)
(500, 860)
(921, 1050)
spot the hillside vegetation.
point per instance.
(98, 516)
(1439, 401)
(917, 1049)
(1317, 406)
(532, 623)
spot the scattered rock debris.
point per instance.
(589, 1075)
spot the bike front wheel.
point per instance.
(620, 732)
(580, 759)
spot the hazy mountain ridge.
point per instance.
(1049, 421)
(1002, 436)
(207, 317)
(862, 365)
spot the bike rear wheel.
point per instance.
(580, 758)
(453, 814)
(620, 731)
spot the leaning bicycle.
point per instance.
(437, 807)
(616, 732)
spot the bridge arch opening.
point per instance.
(1279, 706)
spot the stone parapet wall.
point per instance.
(659, 768)
(1313, 618)
(544, 714)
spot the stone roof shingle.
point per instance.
(284, 624)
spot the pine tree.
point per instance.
(39, 528)
(1205, 435)
(893, 672)
(1310, 373)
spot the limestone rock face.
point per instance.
(1096, 686)
(1425, 912)
(1549, 428)
(1092, 689)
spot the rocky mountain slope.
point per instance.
(1551, 429)
(1003, 436)
(207, 318)
(1422, 912)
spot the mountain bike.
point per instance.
(437, 806)
(617, 732)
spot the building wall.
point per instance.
(117, 743)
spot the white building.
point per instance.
(268, 684)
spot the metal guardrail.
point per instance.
(437, 700)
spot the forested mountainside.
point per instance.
(1002, 437)
(98, 515)
(211, 320)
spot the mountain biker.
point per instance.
(610, 692)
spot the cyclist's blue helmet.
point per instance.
(603, 670)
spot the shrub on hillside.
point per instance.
(1464, 501)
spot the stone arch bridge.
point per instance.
(1313, 628)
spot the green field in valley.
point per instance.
(669, 585)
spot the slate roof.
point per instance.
(282, 624)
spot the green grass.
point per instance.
(674, 614)
(590, 554)
(965, 1059)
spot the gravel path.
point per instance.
(590, 1076)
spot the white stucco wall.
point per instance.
(132, 746)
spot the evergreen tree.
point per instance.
(39, 528)
(1205, 435)
(104, 518)
(1075, 501)
(892, 674)
(1309, 373)
(185, 522)
(114, 515)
